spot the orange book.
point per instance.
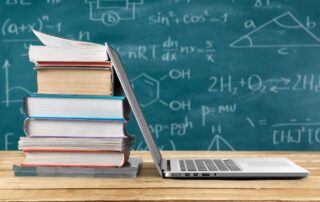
(75, 80)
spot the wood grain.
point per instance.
(150, 187)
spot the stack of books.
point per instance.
(75, 119)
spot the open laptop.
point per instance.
(203, 168)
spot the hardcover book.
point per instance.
(80, 107)
(75, 157)
(66, 127)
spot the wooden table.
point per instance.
(150, 187)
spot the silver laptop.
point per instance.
(203, 167)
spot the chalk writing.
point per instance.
(209, 74)
(170, 50)
(112, 12)
(171, 18)
(256, 83)
(151, 89)
(179, 129)
(286, 23)
(296, 133)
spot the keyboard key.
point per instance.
(182, 165)
(210, 165)
(190, 165)
(200, 165)
(221, 166)
(231, 165)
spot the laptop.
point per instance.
(203, 167)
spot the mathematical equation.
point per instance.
(172, 18)
(170, 50)
(256, 83)
(292, 131)
(217, 142)
(16, 32)
(296, 133)
(190, 63)
(30, 2)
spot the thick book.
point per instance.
(77, 107)
(40, 127)
(130, 169)
(60, 53)
(67, 143)
(75, 158)
(76, 80)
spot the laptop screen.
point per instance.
(135, 106)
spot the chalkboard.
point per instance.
(209, 74)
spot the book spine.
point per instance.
(112, 81)
(26, 127)
(39, 68)
(126, 109)
(66, 63)
(73, 149)
(58, 150)
(69, 165)
(60, 118)
(125, 129)
(25, 105)
(126, 155)
(53, 96)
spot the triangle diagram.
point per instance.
(219, 143)
(283, 31)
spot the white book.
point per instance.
(68, 54)
(68, 143)
(78, 107)
(59, 49)
(79, 158)
(75, 128)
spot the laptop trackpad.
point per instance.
(268, 164)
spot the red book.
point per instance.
(72, 64)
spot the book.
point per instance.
(73, 64)
(57, 49)
(66, 143)
(83, 53)
(75, 126)
(66, 127)
(71, 67)
(75, 158)
(129, 170)
(76, 107)
(75, 80)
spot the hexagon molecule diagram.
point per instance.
(146, 88)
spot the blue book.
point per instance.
(44, 106)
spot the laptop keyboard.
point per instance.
(208, 165)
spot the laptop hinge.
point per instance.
(165, 165)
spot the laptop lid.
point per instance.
(135, 106)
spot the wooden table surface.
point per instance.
(150, 187)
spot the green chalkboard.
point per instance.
(209, 74)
